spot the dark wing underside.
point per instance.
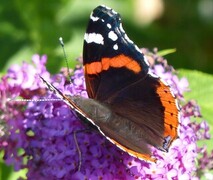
(111, 60)
(141, 105)
(151, 109)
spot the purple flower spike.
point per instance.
(54, 142)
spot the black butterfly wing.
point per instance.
(107, 49)
(152, 108)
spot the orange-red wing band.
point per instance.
(115, 62)
(171, 111)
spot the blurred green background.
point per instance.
(28, 27)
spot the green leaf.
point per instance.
(166, 52)
(201, 86)
(8, 173)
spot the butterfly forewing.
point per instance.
(111, 60)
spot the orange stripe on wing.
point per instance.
(93, 68)
(115, 62)
(171, 111)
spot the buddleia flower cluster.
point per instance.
(45, 136)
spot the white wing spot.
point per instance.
(115, 47)
(112, 36)
(93, 17)
(114, 12)
(93, 37)
(109, 26)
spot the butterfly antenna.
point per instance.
(65, 57)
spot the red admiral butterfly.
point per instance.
(130, 106)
